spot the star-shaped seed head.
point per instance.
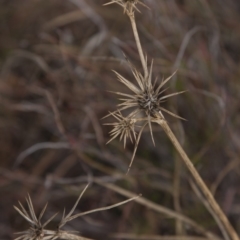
(36, 228)
(124, 128)
(147, 97)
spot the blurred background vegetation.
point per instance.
(56, 58)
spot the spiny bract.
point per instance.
(124, 127)
(147, 96)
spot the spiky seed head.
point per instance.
(36, 229)
(146, 96)
(124, 128)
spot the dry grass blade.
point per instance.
(103, 208)
(158, 208)
(37, 231)
(66, 219)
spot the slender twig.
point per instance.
(139, 46)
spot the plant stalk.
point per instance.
(208, 195)
(212, 202)
(139, 47)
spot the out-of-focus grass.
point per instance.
(51, 63)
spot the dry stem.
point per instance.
(212, 202)
(162, 122)
(137, 40)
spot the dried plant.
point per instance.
(38, 231)
(123, 128)
(147, 97)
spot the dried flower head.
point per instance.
(36, 230)
(124, 127)
(129, 6)
(146, 97)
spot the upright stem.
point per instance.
(212, 202)
(139, 46)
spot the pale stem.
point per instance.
(212, 202)
(139, 46)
